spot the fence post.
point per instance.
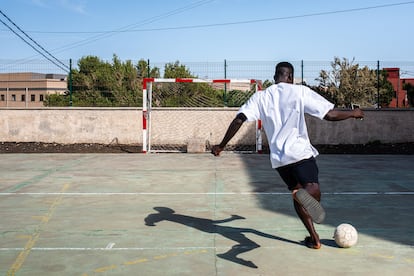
(302, 82)
(378, 98)
(149, 69)
(70, 82)
(225, 84)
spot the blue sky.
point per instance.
(211, 30)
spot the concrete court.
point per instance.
(86, 214)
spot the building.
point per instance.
(400, 100)
(29, 89)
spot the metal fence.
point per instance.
(307, 71)
(261, 70)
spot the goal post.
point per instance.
(180, 101)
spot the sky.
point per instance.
(210, 30)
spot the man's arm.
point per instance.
(231, 131)
(339, 115)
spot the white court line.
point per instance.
(369, 193)
(109, 249)
(142, 193)
(168, 248)
(206, 193)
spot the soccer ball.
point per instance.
(345, 235)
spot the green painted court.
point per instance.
(196, 214)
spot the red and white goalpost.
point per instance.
(147, 100)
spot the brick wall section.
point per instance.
(124, 125)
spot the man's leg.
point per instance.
(306, 196)
(314, 191)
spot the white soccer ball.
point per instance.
(345, 235)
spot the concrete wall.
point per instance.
(385, 125)
(71, 125)
(177, 126)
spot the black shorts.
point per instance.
(302, 172)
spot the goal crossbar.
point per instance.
(147, 104)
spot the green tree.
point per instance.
(266, 84)
(236, 98)
(324, 92)
(143, 69)
(386, 90)
(100, 83)
(56, 100)
(184, 94)
(410, 93)
(177, 70)
(92, 82)
(125, 88)
(348, 84)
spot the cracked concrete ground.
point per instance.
(195, 214)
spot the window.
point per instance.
(32, 97)
(23, 98)
(2, 98)
(41, 97)
(13, 97)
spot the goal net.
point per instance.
(177, 111)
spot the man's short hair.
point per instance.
(279, 71)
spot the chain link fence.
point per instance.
(20, 92)
(260, 70)
(307, 71)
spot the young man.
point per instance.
(282, 108)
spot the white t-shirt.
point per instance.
(282, 108)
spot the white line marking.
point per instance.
(165, 248)
(112, 249)
(207, 193)
(33, 238)
(369, 193)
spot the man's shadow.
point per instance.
(211, 226)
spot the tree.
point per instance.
(236, 98)
(125, 88)
(143, 68)
(349, 84)
(266, 84)
(184, 94)
(386, 90)
(92, 82)
(100, 83)
(410, 93)
(177, 70)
